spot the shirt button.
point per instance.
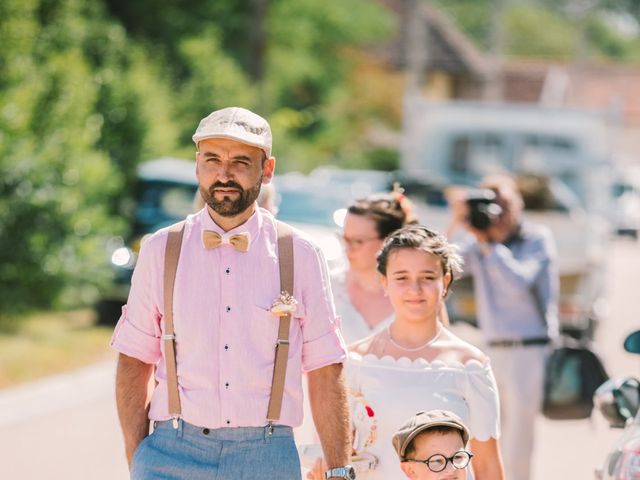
(228, 308)
(227, 271)
(226, 385)
(205, 431)
(228, 422)
(226, 347)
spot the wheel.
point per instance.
(108, 311)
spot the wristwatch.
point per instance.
(347, 472)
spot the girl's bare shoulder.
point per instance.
(366, 345)
(458, 349)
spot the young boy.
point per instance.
(431, 446)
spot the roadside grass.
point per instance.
(51, 342)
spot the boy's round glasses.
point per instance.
(438, 462)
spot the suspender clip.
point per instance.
(175, 422)
(168, 337)
(270, 428)
(282, 342)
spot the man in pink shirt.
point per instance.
(224, 331)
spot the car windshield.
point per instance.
(162, 203)
(321, 197)
(304, 205)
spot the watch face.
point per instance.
(351, 472)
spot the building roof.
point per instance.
(446, 47)
(606, 87)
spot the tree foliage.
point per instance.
(296, 73)
(72, 126)
(550, 29)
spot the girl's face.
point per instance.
(415, 284)
(361, 241)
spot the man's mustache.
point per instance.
(230, 184)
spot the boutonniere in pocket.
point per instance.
(285, 304)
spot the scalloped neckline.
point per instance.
(405, 362)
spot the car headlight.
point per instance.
(339, 216)
(123, 257)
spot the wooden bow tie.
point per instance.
(239, 241)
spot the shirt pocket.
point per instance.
(264, 331)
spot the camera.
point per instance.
(483, 209)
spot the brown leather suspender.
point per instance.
(171, 257)
(285, 259)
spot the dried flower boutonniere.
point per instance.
(285, 304)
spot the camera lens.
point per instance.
(479, 218)
(483, 210)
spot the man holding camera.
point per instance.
(513, 265)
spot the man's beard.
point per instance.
(227, 207)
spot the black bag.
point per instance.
(572, 376)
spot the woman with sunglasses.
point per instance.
(358, 295)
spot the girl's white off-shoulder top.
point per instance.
(385, 392)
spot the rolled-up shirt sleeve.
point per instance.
(138, 331)
(322, 341)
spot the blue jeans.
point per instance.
(195, 453)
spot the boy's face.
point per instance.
(429, 444)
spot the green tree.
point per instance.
(211, 53)
(551, 28)
(70, 134)
(525, 38)
(311, 57)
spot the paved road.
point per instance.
(65, 427)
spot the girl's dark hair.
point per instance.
(389, 211)
(419, 237)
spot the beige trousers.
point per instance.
(519, 373)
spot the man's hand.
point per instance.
(482, 236)
(317, 472)
(457, 200)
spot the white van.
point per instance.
(458, 143)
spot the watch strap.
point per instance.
(340, 472)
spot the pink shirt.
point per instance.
(225, 332)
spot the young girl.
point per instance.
(416, 363)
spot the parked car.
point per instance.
(460, 142)
(352, 183)
(619, 400)
(163, 195)
(315, 208)
(626, 194)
